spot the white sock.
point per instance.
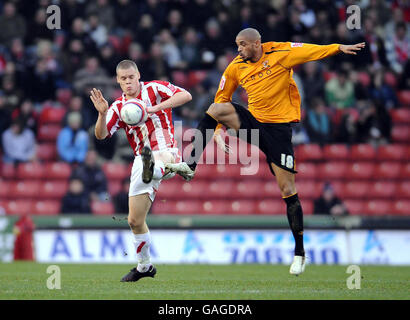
(142, 243)
(159, 170)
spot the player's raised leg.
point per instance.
(286, 182)
(138, 209)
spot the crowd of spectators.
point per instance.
(169, 37)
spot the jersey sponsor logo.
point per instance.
(222, 83)
(296, 44)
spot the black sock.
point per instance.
(197, 147)
(295, 218)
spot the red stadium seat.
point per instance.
(53, 189)
(360, 170)
(402, 207)
(308, 152)
(378, 207)
(52, 115)
(179, 78)
(332, 170)
(25, 189)
(401, 133)
(338, 186)
(361, 152)
(390, 79)
(205, 171)
(335, 152)
(388, 170)
(8, 171)
(400, 116)
(115, 171)
(355, 207)
(18, 207)
(114, 187)
(58, 170)
(271, 207)
(102, 208)
(307, 189)
(248, 189)
(195, 77)
(30, 170)
(220, 189)
(356, 190)
(307, 206)
(243, 207)
(264, 172)
(46, 152)
(4, 189)
(404, 97)
(306, 170)
(48, 207)
(405, 171)
(188, 207)
(382, 189)
(216, 207)
(392, 152)
(270, 190)
(64, 96)
(164, 206)
(227, 171)
(364, 78)
(49, 132)
(190, 190)
(403, 190)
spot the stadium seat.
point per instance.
(401, 133)
(306, 170)
(195, 77)
(332, 170)
(30, 170)
(102, 207)
(179, 78)
(216, 207)
(115, 171)
(355, 207)
(58, 170)
(53, 189)
(403, 190)
(307, 206)
(46, 152)
(4, 189)
(18, 207)
(378, 207)
(270, 190)
(360, 170)
(163, 206)
(52, 115)
(25, 189)
(307, 189)
(48, 207)
(271, 207)
(404, 97)
(48, 132)
(400, 116)
(390, 79)
(382, 190)
(8, 171)
(355, 190)
(402, 207)
(190, 190)
(264, 172)
(337, 185)
(308, 152)
(362, 152)
(405, 171)
(388, 170)
(220, 189)
(205, 171)
(227, 171)
(335, 152)
(248, 189)
(188, 207)
(364, 78)
(327, 75)
(391, 152)
(114, 187)
(63, 96)
(243, 207)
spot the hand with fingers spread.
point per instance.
(221, 143)
(98, 100)
(351, 49)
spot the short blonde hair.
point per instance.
(125, 64)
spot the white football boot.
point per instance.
(182, 169)
(298, 265)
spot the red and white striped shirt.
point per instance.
(158, 130)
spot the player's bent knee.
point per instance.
(135, 223)
(287, 189)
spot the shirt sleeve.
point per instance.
(227, 85)
(112, 120)
(304, 52)
(166, 89)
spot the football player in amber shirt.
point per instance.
(264, 70)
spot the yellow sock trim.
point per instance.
(289, 196)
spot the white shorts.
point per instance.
(137, 186)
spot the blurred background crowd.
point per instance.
(46, 75)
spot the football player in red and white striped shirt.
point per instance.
(154, 146)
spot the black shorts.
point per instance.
(275, 139)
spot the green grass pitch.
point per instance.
(27, 280)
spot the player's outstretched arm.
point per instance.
(351, 49)
(178, 99)
(101, 105)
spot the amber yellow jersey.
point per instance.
(272, 93)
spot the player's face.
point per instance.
(246, 48)
(128, 80)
